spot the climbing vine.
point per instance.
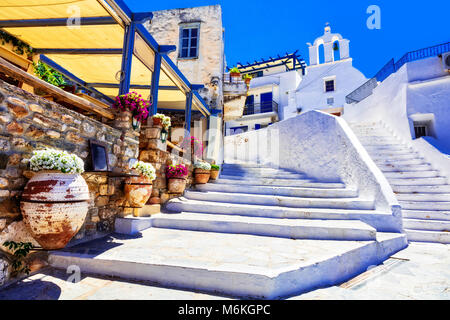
(48, 74)
(21, 250)
(20, 47)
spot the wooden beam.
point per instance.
(59, 94)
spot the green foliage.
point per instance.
(21, 250)
(215, 167)
(247, 76)
(20, 47)
(235, 70)
(48, 74)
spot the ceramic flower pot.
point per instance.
(137, 191)
(214, 174)
(157, 122)
(54, 207)
(202, 176)
(176, 185)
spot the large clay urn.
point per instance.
(202, 176)
(176, 185)
(54, 206)
(137, 191)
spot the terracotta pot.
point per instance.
(176, 185)
(202, 176)
(247, 80)
(157, 122)
(137, 191)
(214, 174)
(54, 206)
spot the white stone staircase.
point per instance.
(422, 191)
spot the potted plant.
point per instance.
(133, 103)
(55, 200)
(235, 74)
(139, 189)
(160, 120)
(176, 174)
(247, 78)
(215, 170)
(49, 75)
(202, 171)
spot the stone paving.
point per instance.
(419, 272)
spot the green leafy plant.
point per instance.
(48, 74)
(247, 76)
(21, 250)
(235, 70)
(20, 47)
(215, 167)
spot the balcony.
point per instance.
(235, 93)
(261, 108)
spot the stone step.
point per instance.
(249, 175)
(280, 191)
(295, 202)
(426, 214)
(393, 146)
(379, 140)
(270, 227)
(443, 188)
(390, 153)
(380, 220)
(405, 162)
(424, 224)
(236, 265)
(423, 196)
(428, 236)
(278, 182)
(426, 205)
(412, 167)
(411, 174)
(418, 181)
(243, 165)
(394, 158)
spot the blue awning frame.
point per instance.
(132, 23)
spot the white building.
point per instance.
(271, 90)
(329, 80)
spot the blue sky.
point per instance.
(259, 29)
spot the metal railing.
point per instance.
(257, 108)
(391, 67)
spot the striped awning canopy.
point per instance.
(86, 38)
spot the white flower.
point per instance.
(145, 169)
(202, 165)
(52, 159)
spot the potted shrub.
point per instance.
(164, 122)
(176, 175)
(55, 200)
(139, 189)
(133, 103)
(202, 171)
(215, 170)
(247, 78)
(235, 74)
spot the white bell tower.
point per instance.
(328, 40)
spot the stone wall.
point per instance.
(208, 68)
(29, 122)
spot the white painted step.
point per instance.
(280, 191)
(385, 147)
(430, 225)
(428, 236)
(393, 158)
(418, 181)
(296, 202)
(279, 175)
(406, 162)
(423, 196)
(411, 174)
(426, 214)
(387, 153)
(368, 140)
(282, 228)
(380, 220)
(244, 266)
(424, 205)
(412, 167)
(277, 182)
(443, 188)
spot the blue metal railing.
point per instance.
(257, 108)
(391, 67)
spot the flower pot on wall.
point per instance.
(137, 191)
(54, 207)
(176, 185)
(202, 176)
(157, 122)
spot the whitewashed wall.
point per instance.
(323, 147)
